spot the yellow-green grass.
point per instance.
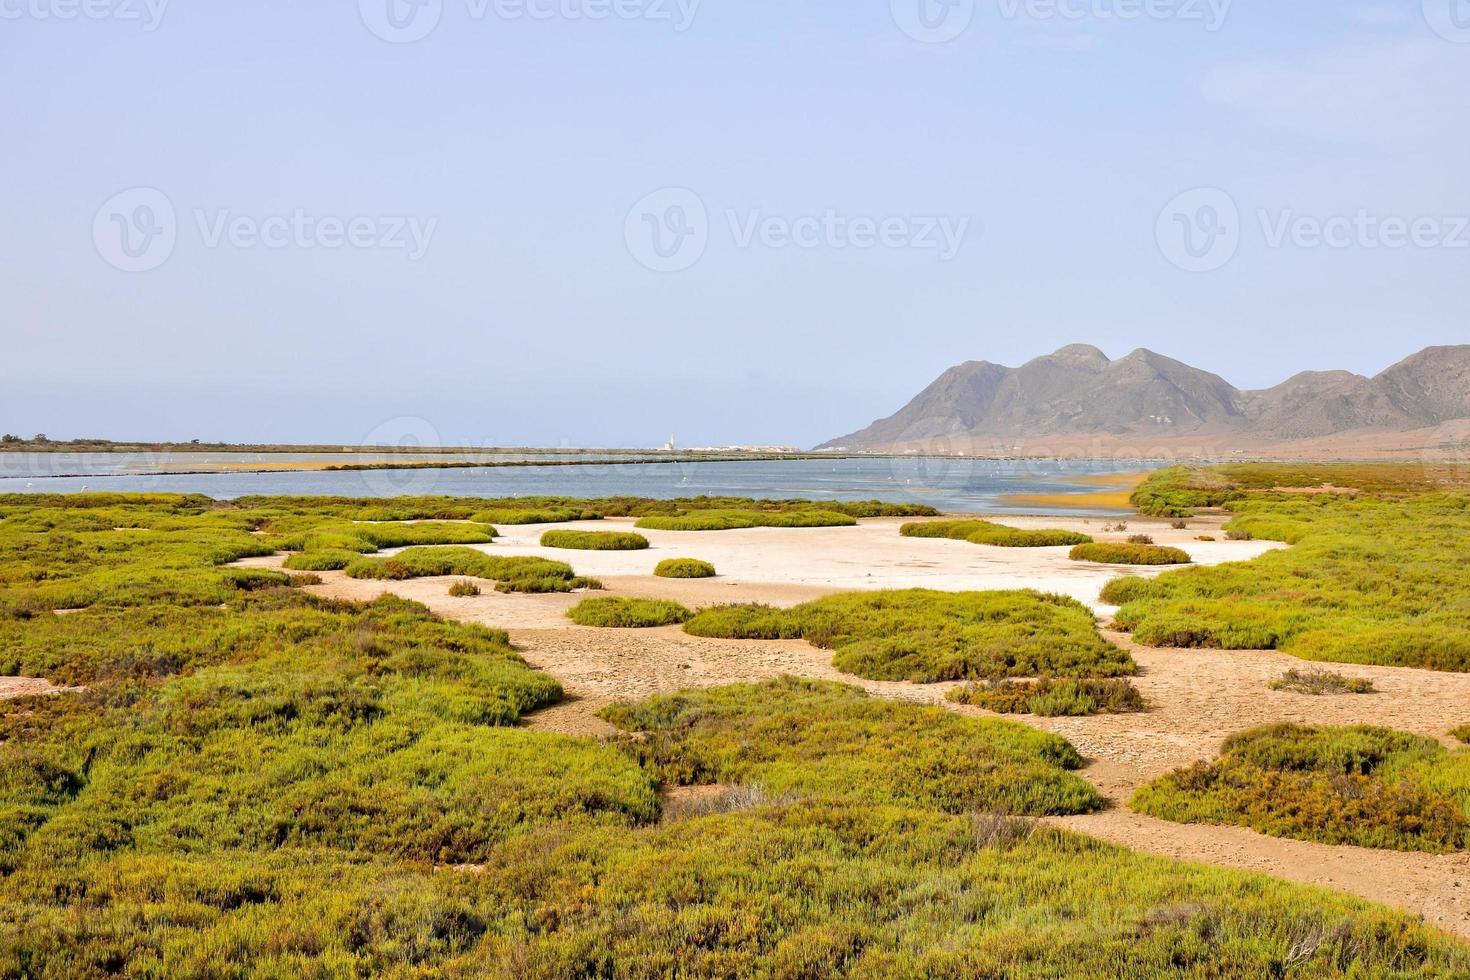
(684, 568)
(1371, 787)
(1372, 576)
(834, 741)
(1129, 553)
(510, 573)
(619, 612)
(985, 532)
(1052, 697)
(731, 520)
(594, 541)
(256, 782)
(464, 589)
(513, 516)
(923, 636)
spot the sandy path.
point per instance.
(21, 687)
(1198, 697)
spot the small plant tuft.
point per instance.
(1320, 682)
(1052, 697)
(617, 612)
(464, 589)
(684, 568)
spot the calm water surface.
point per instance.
(956, 485)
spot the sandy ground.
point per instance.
(1198, 697)
(873, 556)
(20, 687)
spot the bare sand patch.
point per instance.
(872, 555)
(24, 687)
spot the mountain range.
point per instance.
(1079, 396)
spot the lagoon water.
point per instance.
(949, 484)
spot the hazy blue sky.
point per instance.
(991, 196)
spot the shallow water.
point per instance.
(949, 484)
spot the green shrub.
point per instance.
(626, 613)
(730, 520)
(1140, 539)
(924, 636)
(594, 541)
(511, 517)
(1370, 787)
(464, 589)
(510, 573)
(1365, 580)
(1052, 698)
(1462, 733)
(1121, 591)
(684, 568)
(833, 741)
(1319, 682)
(984, 532)
(321, 561)
(1129, 554)
(304, 579)
(1179, 490)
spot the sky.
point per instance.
(600, 222)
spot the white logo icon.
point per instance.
(1450, 19)
(136, 231)
(1199, 231)
(401, 21)
(668, 230)
(933, 21)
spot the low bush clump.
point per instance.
(1205, 537)
(984, 532)
(464, 589)
(510, 573)
(684, 568)
(732, 520)
(1140, 539)
(924, 636)
(1052, 698)
(303, 580)
(836, 742)
(625, 613)
(1462, 733)
(1319, 682)
(594, 541)
(1366, 580)
(1129, 554)
(1371, 787)
(511, 517)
